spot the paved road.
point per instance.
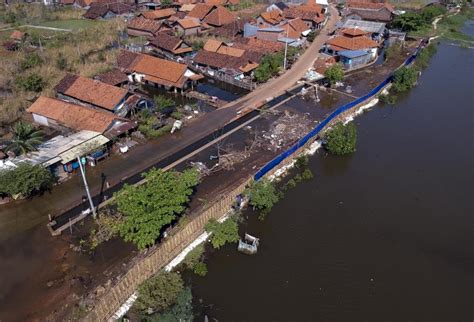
(277, 86)
(26, 214)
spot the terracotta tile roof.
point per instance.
(260, 45)
(215, 2)
(159, 14)
(293, 28)
(230, 51)
(98, 10)
(189, 23)
(114, 77)
(212, 45)
(187, 7)
(297, 12)
(200, 11)
(382, 14)
(73, 116)
(368, 4)
(217, 60)
(91, 91)
(220, 16)
(353, 32)
(143, 24)
(351, 43)
(273, 17)
(229, 30)
(168, 42)
(155, 69)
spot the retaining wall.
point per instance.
(111, 300)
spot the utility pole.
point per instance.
(286, 46)
(94, 215)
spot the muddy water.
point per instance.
(385, 234)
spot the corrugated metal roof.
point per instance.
(83, 148)
(353, 53)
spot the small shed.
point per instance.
(351, 59)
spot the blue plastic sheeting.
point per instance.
(277, 160)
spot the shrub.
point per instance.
(32, 83)
(159, 292)
(200, 269)
(311, 36)
(302, 161)
(30, 61)
(341, 139)
(25, 180)
(307, 174)
(263, 195)
(162, 102)
(404, 79)
(177, 115)
(61, 62)
(334, 74)
(223, 233)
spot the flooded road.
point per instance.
(385, 234)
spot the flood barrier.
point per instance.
(315, 132)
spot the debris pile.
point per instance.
(289, 128)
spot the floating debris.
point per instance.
(249, 245)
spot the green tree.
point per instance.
(334, 74)
(25, 138)
(311, 36)
(181, 311)
(263, 72)
(159, 292)
(410, 21)
(25, 180)
(404, 79)
(162, 102)
(32, 83)
(223, 233)
(149, 207)
(341, 139)
(262, 195)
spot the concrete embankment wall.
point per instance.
(111, 299)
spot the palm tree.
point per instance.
(25, 138)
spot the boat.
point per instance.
(249, 245)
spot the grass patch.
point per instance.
(450, 26)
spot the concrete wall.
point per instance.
(112, 298)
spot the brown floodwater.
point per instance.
(385, 234)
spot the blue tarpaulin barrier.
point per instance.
(280, 158)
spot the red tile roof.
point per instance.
(220, 16)
(353, 32)
(114, 77)
(91, 91)
(170, 43)
(73, 116)
(351, 43)
(159, 14)
(143, 24)
(200, 11)
(272, 17)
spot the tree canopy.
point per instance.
(404, 79)
(151, 206)
(334, 74)
(341, 139)
(262, 195)
(25, 180)
(25, 138)
(223, 233)
(159, 292)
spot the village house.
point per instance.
(295, 29)
(149, 70)
(140, 26)
(59, 154)
(217, 57)
(67, 116)
(258, 45)
(353, 47)
(312, 15)
(368, 10)
(107, 10)
(222, 2)
(219, 16)
(167, 45)
(186, 7)
(188, 26)
(375, 30)
(93, 93)
(273, 18)
(200, 11)
(161, 14)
